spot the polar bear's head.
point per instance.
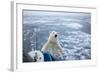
(53, 36)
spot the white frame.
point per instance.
(16, 60)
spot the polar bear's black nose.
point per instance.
(55, 35)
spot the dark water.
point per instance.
(74, 32)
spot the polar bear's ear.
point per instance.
(52, 32)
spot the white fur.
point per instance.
(53, 44)
(36, 55)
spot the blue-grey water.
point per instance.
(74, 31)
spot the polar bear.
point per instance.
(53, 44)
(36, 56)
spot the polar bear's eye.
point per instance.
(55, 35)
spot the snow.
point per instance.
(78, 45)
(74, 25)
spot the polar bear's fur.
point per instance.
(53, 44)
(37, 56)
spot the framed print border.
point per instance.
(16, 36)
